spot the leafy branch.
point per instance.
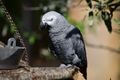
(106, 9)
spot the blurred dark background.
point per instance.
(26, 15)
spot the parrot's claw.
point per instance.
(68, 66)
(62, 66)
(65, 66)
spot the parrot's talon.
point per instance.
(62, 66)
(69, 65)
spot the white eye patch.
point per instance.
(50, 19)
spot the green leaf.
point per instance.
(117, 21)
(32, 39)
(12, 29)
(1, 12)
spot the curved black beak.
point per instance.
(43, 25)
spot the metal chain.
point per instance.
(17, 33)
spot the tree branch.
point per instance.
(41, 73)
(103, 47)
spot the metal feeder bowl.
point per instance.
(10, 55)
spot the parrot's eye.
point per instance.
(51, 19)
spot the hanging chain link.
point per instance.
(17, 33)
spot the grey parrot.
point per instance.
(66, 41)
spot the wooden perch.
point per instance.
(41, 73)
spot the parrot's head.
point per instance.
(52, 20)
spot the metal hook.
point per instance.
(11, 42)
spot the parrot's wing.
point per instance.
(78, 42)
(79, 47)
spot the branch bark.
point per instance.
(103, 47)
(41, 73)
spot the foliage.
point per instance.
(57, 5)
(9, 26)
(44, 6)
(32, 37)
(1, 12)
(106, 9)
(117, 21)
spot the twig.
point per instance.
(103, 47)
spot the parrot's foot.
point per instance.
(69, 65)
(62, 66)
(65, 66)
